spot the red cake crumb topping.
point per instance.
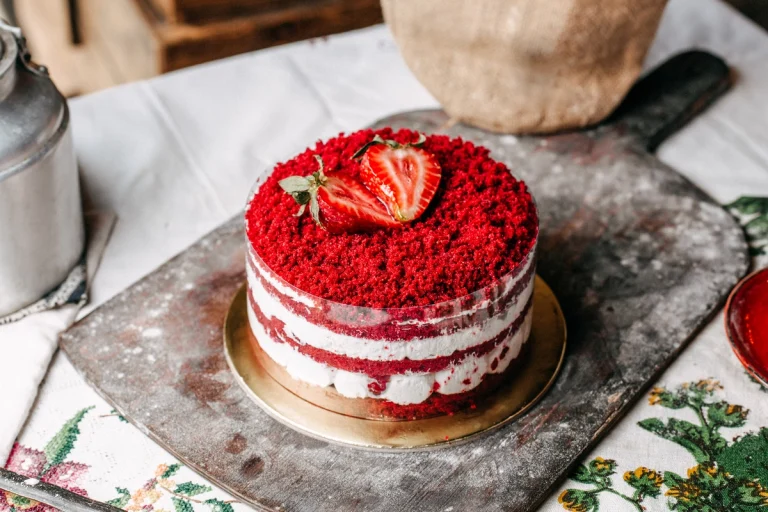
(479, 226)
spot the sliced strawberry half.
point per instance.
(404, 176)
(346, 205)
(338, 203)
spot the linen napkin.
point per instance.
(27, 344)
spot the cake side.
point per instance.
(404, 371)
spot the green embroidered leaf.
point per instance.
(672, 479)
(576, 500)
(191, 489)
(119, 416)
(180, 505)
(172, 470)
(757, 228)
(747, 457)
(125, 497)
(686, 434)
(723, 414)
(219, 506)
(749, 493)
(709, 488)
(694, 438)
(653, 425)
(755, 381)
(747, 205)
(753, 214)
(20, 501)
(583, 475)
(62, 443)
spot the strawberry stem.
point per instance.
(391, 143)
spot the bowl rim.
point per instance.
(736, 346)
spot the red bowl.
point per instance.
(746, 323)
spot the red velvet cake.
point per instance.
(408, 283)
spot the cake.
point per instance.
(407, 286)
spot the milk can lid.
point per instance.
(33, 113)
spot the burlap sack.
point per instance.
(525, 66)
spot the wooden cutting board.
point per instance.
(639, 257)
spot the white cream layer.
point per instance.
(409, 388)
(305, 332)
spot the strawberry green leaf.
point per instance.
(314, 210)
(302, 197)
(295, 184)
(420, 142)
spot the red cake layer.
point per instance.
(354, 321)
(275, 328)
(479, 227)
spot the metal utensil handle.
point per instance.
(49, 494)
(24, 56)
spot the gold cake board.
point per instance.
(531, 380)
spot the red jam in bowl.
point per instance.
(747, 323)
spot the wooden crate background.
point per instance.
(126, 40)
(202, 11)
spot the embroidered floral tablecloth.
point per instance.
(176, 156)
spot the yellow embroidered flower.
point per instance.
(734, 409)
(708, 385)
(684, 491)
(601, 464)
(642, 473)
(143, 497)
(571, 502)
(655, 397)
(707, 468)
(161, 469)
(759, 490)
(646, 481)
(168, 484)
(19, 502)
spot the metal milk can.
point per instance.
(41, 220)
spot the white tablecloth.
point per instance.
(175, 156)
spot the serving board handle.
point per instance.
(670, 96)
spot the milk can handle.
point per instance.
(24, 56)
